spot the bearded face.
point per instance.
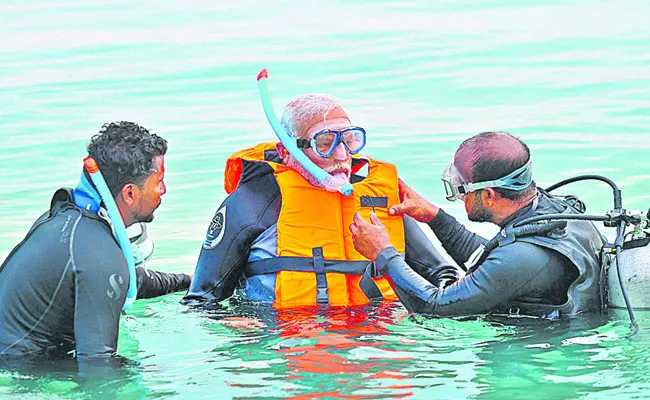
(338, 164)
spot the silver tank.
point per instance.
(635, 272)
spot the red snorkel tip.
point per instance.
(91, 165)
(263, 74)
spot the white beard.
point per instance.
(295, 165)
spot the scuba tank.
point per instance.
(634, 261)
(625, 264)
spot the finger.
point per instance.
(354, 229)
(397, 209)
(400, 188)
(375, 219)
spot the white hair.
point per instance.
(303, 111)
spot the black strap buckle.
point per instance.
(322, 297)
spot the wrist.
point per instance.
(432, 212)
(384, 256)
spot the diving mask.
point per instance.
(141, 245)
(324, 142)
(456, 187)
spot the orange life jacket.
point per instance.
(313, 227)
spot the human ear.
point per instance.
(489, 196)
(283, 152)
(129, 193)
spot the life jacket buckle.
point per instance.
(321, 296)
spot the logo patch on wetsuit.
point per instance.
(216, 229)
(115, 281)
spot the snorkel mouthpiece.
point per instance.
(118, 226)
(332, 183)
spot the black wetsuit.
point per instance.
(254, 207)
(537, 276)
(63, 287)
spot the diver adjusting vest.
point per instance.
(316, 261)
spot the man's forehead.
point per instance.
(463, 164)
(159, 164)
(322, 119)
(329, 123)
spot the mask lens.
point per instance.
(450, 191)
(325, 142)
(354, 139)
(452, 182)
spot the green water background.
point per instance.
(571, 78)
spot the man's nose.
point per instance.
(340, 152)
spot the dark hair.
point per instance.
(495, 155)
(125, 153)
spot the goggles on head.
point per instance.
(456, 187)
(324, 142)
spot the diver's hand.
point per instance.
(369, 239)
(413, 205)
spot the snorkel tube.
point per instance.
(328, 181)
(118, 226)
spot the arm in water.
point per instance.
(155, 283)
(239, 220)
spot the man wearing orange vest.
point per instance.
(282, 237)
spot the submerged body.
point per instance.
(63, 287)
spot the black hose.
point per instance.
(618, 202)
(534, 228)
(565, 217)
(620, 229)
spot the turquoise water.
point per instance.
(571, 78)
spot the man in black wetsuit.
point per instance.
(548, 274)
(63, 287)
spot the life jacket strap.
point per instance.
(303, 264)
(322, 297)
(368, 286)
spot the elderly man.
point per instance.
(63, 287)
(284, 237)
(547, 274)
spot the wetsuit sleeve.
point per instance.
(509, 272)
(241, 218)
(155, 283)
(459, 242)
(423, 257)
(101, 280)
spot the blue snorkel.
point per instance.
(289, 142)
(88, 198)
